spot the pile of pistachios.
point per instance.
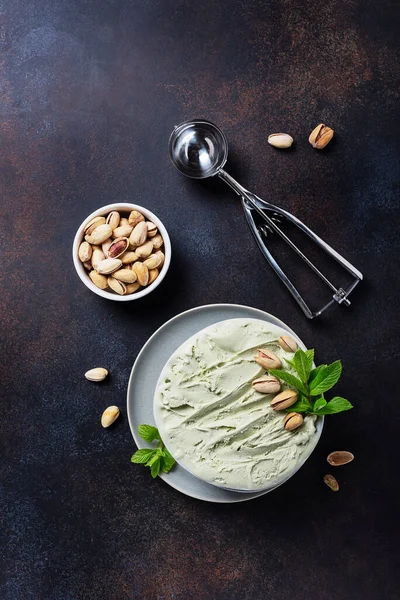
(122, 254)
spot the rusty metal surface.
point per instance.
(89, 92)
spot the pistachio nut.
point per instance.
(113, 219)
(85, 252)
(105, 246)
(125, 275)
(161, 255)
(153, 261)
(109, 265)
(97, 257)
(110, 415)
(135, 217)
(145, 249)
(152, 229)
(153, 274)
(157, 241)
(138, 235)
(287, 343)
(267, 385)
(267, 359)
(142, 272)
(118, 247)
(339, 458)
(122, 231)
(124, 222)
(321, 136)
(292, 421)
(284, 399)
(129, 257)
(93, 223)
(131, 288)
(99, 235)
(331, 482)
(280, 140)
(88, 265)
(99, 281)
(117, 286)
(97, 374)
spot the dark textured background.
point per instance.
(90, 90)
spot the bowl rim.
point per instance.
(319, 425)
(101, 212)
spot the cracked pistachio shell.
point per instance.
(142, 272)
(97, 257)
(99, 281)
(93, 223)
(122, 231)
(125, 275)
(105, 246)
(116, 286)
(280, 140)
(145, 249)
(99, 235)
(131, 288)
(88, 265)
(268, 359)
(152, 229)
(284, 399)
(129, 257)
(153, 261)
(109, 265)
(287, 343)
(97, 374)
(267, 385)
(118, 247)
(321, 136)
(157, 241)
(153, 274)
(135, 217)
(113, 219)
(138, 235)
(109, 416)
(85, 252)
(292, 421)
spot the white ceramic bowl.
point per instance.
(123, 207)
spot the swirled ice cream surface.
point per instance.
(213, 421)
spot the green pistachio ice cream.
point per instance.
(213, 421)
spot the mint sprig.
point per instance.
(312, 383)
(157, 459)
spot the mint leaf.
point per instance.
(289, 378)
(142, 456)
(302, 362)
(314, 373)
(326, 378)
(155, 466)
(302, 405)
(336, 405)
(318, 404)
(148, 433)
(167, 461)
